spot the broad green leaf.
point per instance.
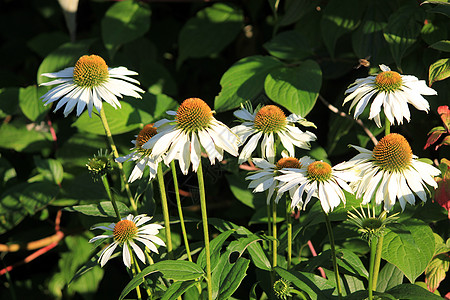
(402, 30)
(79, 148)
(215, 247)
(131, 116)
(440, 70)
(171, 269)
(315, 286)
(228, 276)
(177, 289)
(52, 169)
(87, 266)
(45, 42)
(442, 7)
(439, 265)
(432, 33)
(239, 188)
(351, 262)
(31, 104)
(412, 292)
(294, 10)
(65, 56)
(8, 101)
(258, 255)
(11, 210)
(211, 30)
(103, 209)
(24, 138)
(340, 17)
(124, 22)
(244, 81)
(295, 88)
(35, 196)
(441, 46)
(289, 45)
(389, 277)
(409, 246)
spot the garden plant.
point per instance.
(255, 149)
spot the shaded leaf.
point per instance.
(31, 104)
(103, 209)
(389, 277)
(289, 45)
(412, 292)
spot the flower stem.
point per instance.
(373, 249)
(110, 195)
(333, 255)
(201, 187)
(274, 233)
(376, 267)
(165, 209)
(134, 272)
(180, 209)
(289, 233)
(387, 129)
(116, 155)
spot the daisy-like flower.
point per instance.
(317, 179)
(141, 155)
(125, 233)
(88, 83)
(391, 172)
(266, 122)
(264, 179)
(390, 90)
(194, 127)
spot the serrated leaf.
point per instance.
(409, 246)
(244, 81)
(65, 56)
(295, 88)
(124, 22)
(103, 209)
(289, 45)
(402, 30)
(440, 70)
(211, 30)
(340, 17)
(171, 269)
(31, 104)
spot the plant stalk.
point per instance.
(373, 249)
(110, 196)
(274, 233)
(333, 255)
(165, 209)
(289, 233)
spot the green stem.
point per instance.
(201, 187)
(274, 233)
(180, 209)
(387, 129)
(289, 233)
(373, 249)
(116, 155)
(133, 270)
(110, 195)
(333, 255)
(165, 209)
(376, 267)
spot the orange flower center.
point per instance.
(392, 153)
(144, 135)
(193, 115)
(124, 230)
(270, 118)
(288, 162)
(90, 71)
(388, 81)
(319, 171)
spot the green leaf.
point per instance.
(132, 115)
(295, 88)
(409, 246)
(215, 246)
(124, 22)
(52, 169)
(171, 269)
(443, 45)
(210, 31)
(351, 262)
(440, 70)
(239, 188)
(289, 45)
(389, 277)
(315, 286)
(47, 41)
(103, 209)
(294, 10)
(244, 81)
(8, 101)
(65, 56)
(31, 104)
(177, 289)
(402, 30)
(21, 138)
(412, 292)
(340, 17)
(37, 195)
(11, 210)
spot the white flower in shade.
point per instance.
(141, 155)
(193, 127)
(391, 172)
(264, 179)
(265, 123)
(391, 91)
(317, 179)
(88, 83)
(125, 233)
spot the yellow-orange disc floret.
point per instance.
(125, 230)
(270, 118)
(193, 115)
(392, 153)
(90, 71)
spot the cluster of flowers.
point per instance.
(388, 173)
